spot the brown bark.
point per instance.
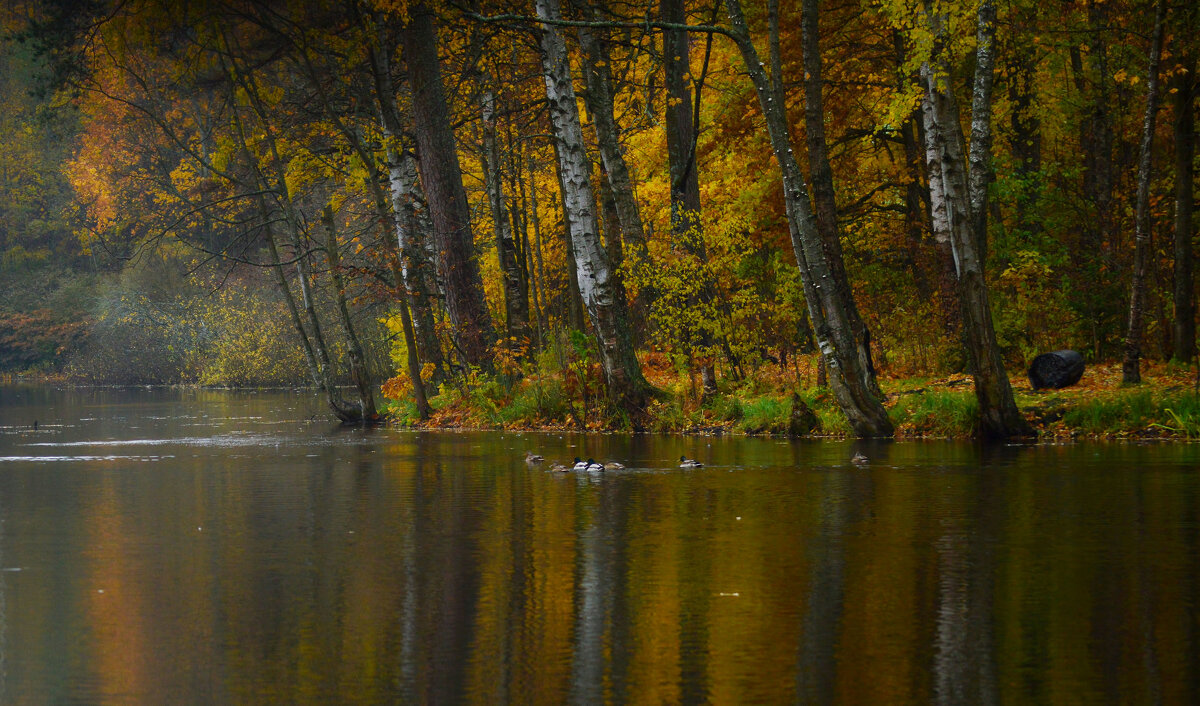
(516, 298)
(437, 157)
(1131, 364)
(851, 380)
(1184, 330)
(1093, 259)
(417, 281)
(681, 161)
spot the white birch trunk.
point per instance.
(602, 294)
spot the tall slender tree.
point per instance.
(851, 378)
(441, 175)
(958, 185)
(602, 292)
(1184, 90)
(1131, 364)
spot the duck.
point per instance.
(613, 466)
(580, 465)
(533, 459)
(559, 468)
(685, 462)
(594, 466)
(859, 459)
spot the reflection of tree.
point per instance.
(3, 614)
(816, 663)
(595, 590)
(964, 643)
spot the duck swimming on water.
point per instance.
(580, 465)
(685, 462)
(533, 459)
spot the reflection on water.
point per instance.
(187, 546)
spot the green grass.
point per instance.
(765, 415)
(937, 413)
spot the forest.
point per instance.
(856, 217)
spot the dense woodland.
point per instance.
(541, 203)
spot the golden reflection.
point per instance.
(421, 569)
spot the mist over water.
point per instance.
(189, 546)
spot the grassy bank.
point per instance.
(1165, 406)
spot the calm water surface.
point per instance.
(165, 546)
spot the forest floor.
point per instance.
(1165, 406)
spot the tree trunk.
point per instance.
(575, 315)
(598, 78)
(1184, 343)
(821, 175)
(437, 156)
(602, 293)
(852, 381)
(1131, 366)
(958, 198)
(276, 185)
(286, 290)
(358, 362)
(1025, 125)
(1093, 260)
(417, 278)
(681, 160)
(516, 299)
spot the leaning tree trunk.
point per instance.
(437, 155)
(821, 174)
(853, 383)
(1185, 150)
(1131, 366)
(958, 201)
(602, 292)
(358, 361)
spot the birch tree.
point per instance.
(958, 185)
(602, 293)
(851, 375)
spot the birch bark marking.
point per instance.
(958, 199)
(603, 296)
(1131, 365)
(852, 382)
(597, 75)
(409, 221)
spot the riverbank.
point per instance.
(1164, 406)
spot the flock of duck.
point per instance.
(594, 466)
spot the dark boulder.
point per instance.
(1055, 370)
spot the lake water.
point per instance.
(209, 547)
